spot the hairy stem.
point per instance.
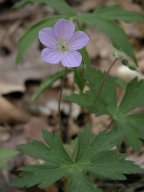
(103, 81)
(59, 105)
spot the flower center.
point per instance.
(63, 45)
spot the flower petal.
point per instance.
(71, 59)
(64, 29)
(47, 37)
(78, 40)
(52, 56)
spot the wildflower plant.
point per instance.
(89, 156)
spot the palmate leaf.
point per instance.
(60, 6)
(131, 126)
(95, 80)
(94, 145)
(44, 175)
(111, 165)
(94, 156)
(54, 152)
(132, 133)
(133, 96)
(80, 182)
(87, 100)
(115, 12)
(106, 99)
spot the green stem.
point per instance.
(103, 81)
(59, 104)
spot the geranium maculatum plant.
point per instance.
(90, 156)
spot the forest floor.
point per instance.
(21, 121)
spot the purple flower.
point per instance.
(62, 42)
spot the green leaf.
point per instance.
(111, 165)
(121, 83)
(115, 12)
(112, 30)
(94, 156)
(133, 97)
(41, 175)
(87, 100)
(47, 83)
(129, 126)
(31, 35)
(5, 155)
(95, 80)
(84, 139)
(85, 57)
(106, 100)
(60, 6)
(94, 145)
(132, 129)
(79, 72)
(80, 182)
(55, 143)
(104, 162)
(36, 149)
(132, 126)
(54, 154)
(79, 77)
(3, 164)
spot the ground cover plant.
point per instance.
(89, 156)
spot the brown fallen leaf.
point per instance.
(34, 127)
(4, 134)
(10, 113)
(6, 88)
(15, 14)
(99, 123)
(1, 1)
(32, 68)
(87, 5)
(52, 188)
(99, 44)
